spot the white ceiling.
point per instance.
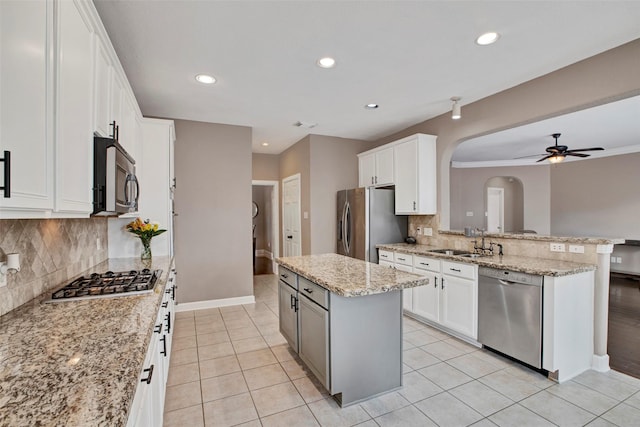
(410, 57)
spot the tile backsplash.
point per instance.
(52, 251)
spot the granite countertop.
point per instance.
(76, 363)
(350, 277)
(538, 266)
(544, 238)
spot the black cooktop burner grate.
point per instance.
(109, 284)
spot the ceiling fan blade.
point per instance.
(531, 155)
(585, 149)
(576, 154)
(545, 158)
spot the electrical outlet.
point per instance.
(613, 260)
(576, 249)
(557, 247)
(427, 231)
(619, 260)
(418, 231)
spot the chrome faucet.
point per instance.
(485, 250)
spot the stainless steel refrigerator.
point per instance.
(365, 218)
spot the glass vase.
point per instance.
(146, 249)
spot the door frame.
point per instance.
(293, 177)
(275, 223)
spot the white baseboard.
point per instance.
(215, 303)
(264, 253)
(600, 363)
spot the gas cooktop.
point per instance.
(108, 285)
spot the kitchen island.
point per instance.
(343, 316)
(77, 363)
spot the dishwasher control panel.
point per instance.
(511, 276)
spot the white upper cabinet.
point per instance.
(60, 81)
(74, 108)
(102, 91)
(26, 128)
(415, 175)
(375, 168)
(128, 127)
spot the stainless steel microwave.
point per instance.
(115, 186)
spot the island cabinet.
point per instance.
(349, 325)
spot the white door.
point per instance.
(291, 226)
(495, 210)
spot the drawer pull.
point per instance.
(402, 259)
(435, 282)
(442, 283)
(308, 290)
(425, 263)
(148, 379)
(166, 303)
(456, 270)
(158, 328)
(284, 276)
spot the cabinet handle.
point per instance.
(168, 319)
(414, 206)
(402, 259)
(372, 180)
(435, 284)
(165, 304)
(148, 379)
(455, 269)
(7, 174)
(157, 328)
(164, 346)
(442, 283)
(309, 290)
(290, 237)
(376, 179)
(425, 263)
(284, 276)
(173, 293)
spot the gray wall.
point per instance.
(334, 167)
(467, 194)
(213, 199)
(598, 197)
(265, 167)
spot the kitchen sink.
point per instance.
(469, 255)
(450, 252)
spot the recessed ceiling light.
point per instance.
(265, 144)
(371, 106)
(206, 79)
(326, 62)
(487, 38)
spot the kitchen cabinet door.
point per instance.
(415, 175)
(459, 305)
(407, 294)
(127, 133)
(384, 167)
(74, 136)
(102, 91)
(288, 314)
(314, 339)
(426, 299)
(367, 170)
(26, 106)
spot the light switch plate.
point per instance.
(576, 249)
(427, 231)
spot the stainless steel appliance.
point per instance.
(366, 217)
(115, 185)
(108, 284)
(510, 314)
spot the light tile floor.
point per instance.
(230, 366)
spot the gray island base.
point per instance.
(343, 317)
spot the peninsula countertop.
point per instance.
(350, 277)
(524, 264)
(76, 363)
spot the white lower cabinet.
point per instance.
(147, 407)
(449, 300)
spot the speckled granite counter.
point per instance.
(76, 363)
(544, 238)
(350, 277)
(539, 266)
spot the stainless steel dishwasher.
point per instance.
(510, 313)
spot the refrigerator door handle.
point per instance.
(347, 227)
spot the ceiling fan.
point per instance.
(556, 153)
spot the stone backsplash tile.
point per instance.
(52, 251)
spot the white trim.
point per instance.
(275, 224)
(264, 253)
(604, 249)
(600, 363)
(214, 303)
